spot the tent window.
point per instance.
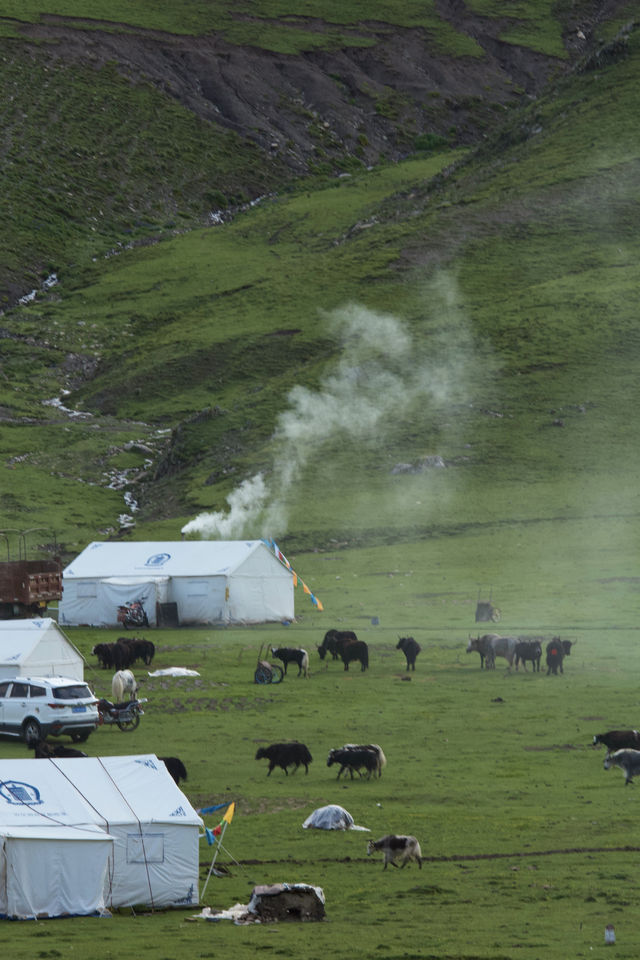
(145, 848)
(87, 590)
(197, 588)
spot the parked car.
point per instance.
(34, 707)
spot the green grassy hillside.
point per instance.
(475, 307)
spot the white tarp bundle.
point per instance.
(331, 817)
(79, 835)
(37, 648)
(207, 581)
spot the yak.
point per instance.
(290, 754)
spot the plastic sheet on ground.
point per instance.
(174, 672)
(331, 817)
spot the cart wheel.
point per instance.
(277, 673)
(495, 615)
(262, 675)
(129, 725)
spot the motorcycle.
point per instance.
(133, 614)
(126, 715)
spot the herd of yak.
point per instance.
(623, 746)
(120, 655)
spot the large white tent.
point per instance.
(198, 581)
(37, 648)
(81, 835)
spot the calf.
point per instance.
(373, 748)
(290, 655)
(411, 648)
(285, 755)
(618, 740)
(529, 650)
(394, 846)
(355, 758)
(627, 760)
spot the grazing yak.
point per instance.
(123, 681)
(356, 650)
(334, 641)
(284, 755)
(373, 748)
(484, 647)
(124, 652)
(411, 648)
(397, 846)
(176, 768)
(290, 655)
(528, 650)
(354, 756)
(627, 760)
(618, 740)
(557, 650)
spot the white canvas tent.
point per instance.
(155, 829)
(37, 648)
(54, 856)
(202, 581)
(79, 835)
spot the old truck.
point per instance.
(28, 586)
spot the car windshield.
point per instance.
(74, 692)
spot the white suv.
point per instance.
(33, 707)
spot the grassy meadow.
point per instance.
(492, 771)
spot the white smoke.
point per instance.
(245, 503)
(382, 374)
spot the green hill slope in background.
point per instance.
(366, 357)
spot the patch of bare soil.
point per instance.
(462, 857)
(372, 101)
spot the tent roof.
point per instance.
(18, 638)
(152, 559)
(124, 788)
(103, 791)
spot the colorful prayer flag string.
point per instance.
(296, 579)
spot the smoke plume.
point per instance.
(383, 375)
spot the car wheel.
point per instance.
(79, 736)
(31, 730)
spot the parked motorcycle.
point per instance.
(126, 715)
(133, 614)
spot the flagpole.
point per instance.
(215, 854)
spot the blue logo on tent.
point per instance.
(147, 763)
(16, 792)
(157, 559)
